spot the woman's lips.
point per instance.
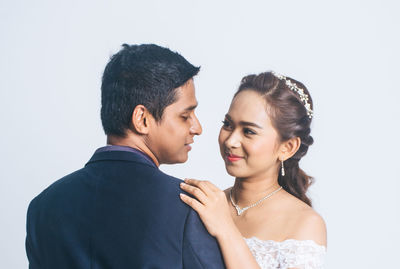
(233, 158)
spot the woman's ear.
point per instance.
(289, 148)
(141, 119)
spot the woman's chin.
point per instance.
(234, 171)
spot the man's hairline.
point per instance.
(176, 98)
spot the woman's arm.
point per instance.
(212, 206)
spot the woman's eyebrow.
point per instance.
(244, 123)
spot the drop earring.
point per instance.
(282, 169)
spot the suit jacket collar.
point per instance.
(121, 156)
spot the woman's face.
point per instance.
(248, 142)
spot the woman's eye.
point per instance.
(225, 124)
(248, 131)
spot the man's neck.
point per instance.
(134, 142)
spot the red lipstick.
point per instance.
(233, 157)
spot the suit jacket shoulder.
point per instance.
(116, 212)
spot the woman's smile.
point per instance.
(233, 158)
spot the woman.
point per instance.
(264, 135)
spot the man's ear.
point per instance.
(289, 148)
(141, 118)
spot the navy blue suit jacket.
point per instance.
(119, 212)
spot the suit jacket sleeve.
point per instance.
(30, 244)
(200, 249)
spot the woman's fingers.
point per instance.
(193, 203)
(203, 185)
(196, 192)
(209, 202)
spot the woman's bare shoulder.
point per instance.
(307, 223)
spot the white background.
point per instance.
(347, 53)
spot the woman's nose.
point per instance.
(233, 140)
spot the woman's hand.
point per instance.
(213, 208)
(211, 205)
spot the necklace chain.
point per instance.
(241, 210)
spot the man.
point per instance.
(120, 211)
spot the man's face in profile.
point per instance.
(171, 137)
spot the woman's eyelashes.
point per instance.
(227, 125)
(248, 131)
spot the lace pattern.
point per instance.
(301, 254)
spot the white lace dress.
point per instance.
(301, 254)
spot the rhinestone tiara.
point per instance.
(293, 86)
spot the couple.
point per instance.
(120, 211)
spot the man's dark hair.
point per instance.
(140, 75)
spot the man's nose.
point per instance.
(196, 128)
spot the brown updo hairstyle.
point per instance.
(289, 117)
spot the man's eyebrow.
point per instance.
(190, 108)
(244, 123)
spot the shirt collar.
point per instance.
(127, 149)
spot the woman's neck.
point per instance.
(248, 191)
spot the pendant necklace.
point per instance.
(241, 210)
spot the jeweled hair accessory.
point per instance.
(293, 86)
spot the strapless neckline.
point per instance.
(308, 241)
